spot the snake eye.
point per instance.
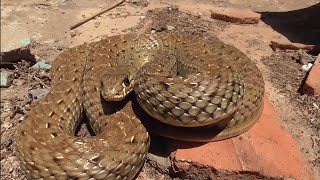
(126, 82)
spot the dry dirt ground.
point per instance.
(47, 24)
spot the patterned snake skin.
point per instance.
(216, 85)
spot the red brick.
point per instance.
(266, 148)
(219, 155)
(312, 85)
(281, 45)
(242, 16)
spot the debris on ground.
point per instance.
(286, 72)
(294, 46)
(38, 94)
(41, 65)
(306, 67)
(305, 58)
(96, 14)
(312, 85)
(6, 79)
(240, 16)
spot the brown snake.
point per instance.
(178, 79)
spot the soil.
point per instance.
(48, 22)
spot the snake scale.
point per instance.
(181, 80)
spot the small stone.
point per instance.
(41, 65)
(96, 24)
(170, 28)
(142, 17)
(181, 166)
(304, 58)
(73, 33)
(162, 164)
(306, 67)
(38, 94)
(7, 125)
(18, 82)
(313, 121)
(288, 87)
(6, 79)
(26, 41)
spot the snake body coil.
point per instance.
(180, 80)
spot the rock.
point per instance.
(288, 87)
(312, 84)
(162, 164)
(275, 45)
(73, 33)
(304, 58)
(142, 17)
(181, 166)
(26, 41)
(306, 67)
(18, 82)
(241, 16)
(96, 24)
(41, 65)
(6, 79)
(171, 28)
(38, 94)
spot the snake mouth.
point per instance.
(119, 91)
(118, 97)
(115, 97)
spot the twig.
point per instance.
(41, 82)
(95, 15)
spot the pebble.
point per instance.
(41, 65)
(18, 82)
(25, 41)
(142, 17)
(306, 67)
(288, 87)
(73, 33)
(38, 94)
(6, 79)
(304, 58)
(96, 24)
(171, 28)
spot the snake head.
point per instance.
(116, 86)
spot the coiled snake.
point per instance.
(181, 80)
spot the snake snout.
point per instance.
(116, 87)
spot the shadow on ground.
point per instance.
(299, 26)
